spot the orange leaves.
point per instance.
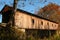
(50, 7)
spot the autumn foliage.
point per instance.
(51, 12)
(49, 7)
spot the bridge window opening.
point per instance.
(32, 21)
(41, 22)
(55, 25)
(47, 23)
(52, 24)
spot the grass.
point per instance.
(9, 33)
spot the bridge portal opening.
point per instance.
(6, 16)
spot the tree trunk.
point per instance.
(14, 11)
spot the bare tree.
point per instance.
(14, 10)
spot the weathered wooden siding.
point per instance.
(31, 22)
(27, 21)
(53, 26)
(34, 23)
(23, 20)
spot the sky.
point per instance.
(31, 6)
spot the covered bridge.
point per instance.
(26, 20)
